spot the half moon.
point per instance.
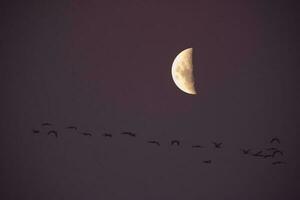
(182, 71)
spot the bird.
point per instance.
(207, 161)
(275, 139)
(53, 132)
(46, 124)
(277, 152)
(35, 131)
(107, 135)
(217, 145)
(173, 142)
(197, 146)
(71, 127)
(271, 149)
(258, 154)
(267, 156)
(129, 133)
(86, 134)
(154, 142)
(278, 162)
(245, 151)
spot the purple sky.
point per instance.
(106, 67)
(127, 49)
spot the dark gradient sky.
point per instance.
(106, 67)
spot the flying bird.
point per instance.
(154, 142)
(107, 135)
(207, 161)
(72, 127)
(217, 145)
(53, 132)
(245, 151)
(173, 142)
(35, 131)
(86, 134)
(275, 140)
(278, 162)
(258, 154)
(271, 149)
(277, 152)
(46, 124)
(197, 146)
(267, 156)
(129, 133)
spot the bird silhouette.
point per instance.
(278, 162)
(277, 152)
(35, 131)
(46, 124)
(197, 146)
(107, 135)
(217, 145)
(245, 151)
(154, 142)
(267, 156)
(271, 149)
(275, 140)
(72, 127)
(258, 154)
(129, 133)
(173, 142)
(207, 161)
(86, 134)
(53, 132)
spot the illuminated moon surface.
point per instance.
(182, 71)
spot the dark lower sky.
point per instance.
(105, 66)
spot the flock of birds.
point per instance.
(271, 152)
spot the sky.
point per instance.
(105, 67)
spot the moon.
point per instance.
(182, 71)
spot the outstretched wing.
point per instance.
(275, 140)
(71, 127)
(154, 142)
(129, 133)
(35, 131)
(278, 162)
(175, 142)
(267, 156)
(197, 146)
(245, 151)
(271, 149)
(46, 124)
(217, 145)
(53, 132)
(107, 135)
(276, 152)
